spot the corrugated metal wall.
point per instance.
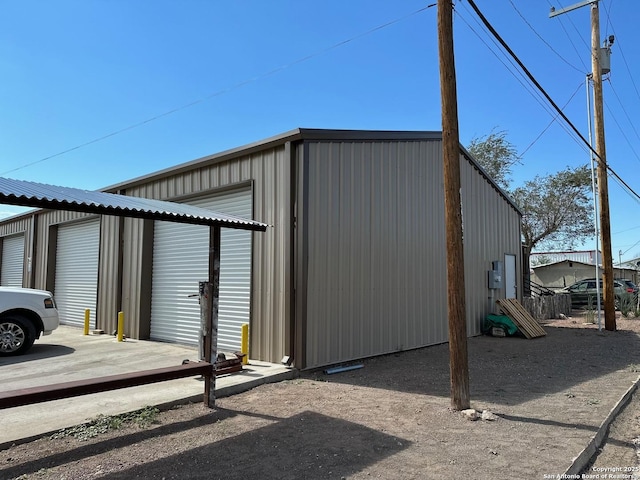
(108, 277)
(269, 173)
(376, 280)
(491, 230)
(136, 277)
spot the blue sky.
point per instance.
(76, 71)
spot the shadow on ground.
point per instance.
(37, 352)
(508, 370)
(246, 455)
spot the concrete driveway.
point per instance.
(68, 355)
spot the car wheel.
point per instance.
(17, 334)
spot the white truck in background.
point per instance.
(25, 315)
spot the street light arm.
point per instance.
(555, 13)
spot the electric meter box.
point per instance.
(495, 279)
(495, 276)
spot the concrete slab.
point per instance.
(68, 355)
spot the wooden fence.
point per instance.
(546, 307)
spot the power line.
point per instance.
(553, 120)
(226, 90)
(619, 47)
(628, 118)
(543, 40)
(547, 96)
(570, 39)
(632, 246)
(608, 15)
(518, 73)
(528, 74)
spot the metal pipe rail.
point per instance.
(45, 393)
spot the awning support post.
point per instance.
(210, 311)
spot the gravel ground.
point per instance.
(390, 419)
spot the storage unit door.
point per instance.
(180, 262)
(12, 261)
(76, 276)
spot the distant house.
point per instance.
(557, 275)
(585, 256)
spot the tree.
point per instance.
(556, 208)
(496, 155)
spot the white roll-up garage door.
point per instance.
(76, 277)
(12, 261)
(181, 260)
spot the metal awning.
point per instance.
(40, 195)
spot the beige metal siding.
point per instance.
(269, 173)
(108, 275)
(491, 230)
(376, 237)
(136, 277)
(376, 280)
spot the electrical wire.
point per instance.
(549, 99)
(543, 40)
(618, 124)
(529, 74)
(607, 12)
(226, 90)
(610, 172)
(553, 120)
(570, 39)
(517, 73)
(626, 64)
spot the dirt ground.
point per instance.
(389, 419)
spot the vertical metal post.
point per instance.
(595, 206)
(244, 343)
(87, 317)
(212, 292)
(120, 326)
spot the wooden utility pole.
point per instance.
(458, 356)
(603, 189)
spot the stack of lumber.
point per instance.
(528, 325)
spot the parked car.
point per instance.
(25, 314)
(584, 292)
(631, 287)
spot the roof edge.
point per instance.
(297, 134)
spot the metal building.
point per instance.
(352, 266)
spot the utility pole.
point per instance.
(458, 354)
(603, 189)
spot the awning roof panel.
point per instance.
(40, 195)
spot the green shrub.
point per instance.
(589, 311)
(627, 304)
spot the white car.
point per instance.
(25, 314)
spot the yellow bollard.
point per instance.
(244, 343)
(120, 326)
(87, 315)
